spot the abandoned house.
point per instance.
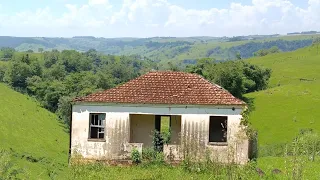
(202, 118)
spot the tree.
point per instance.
(40, 50)
(3, 69)
(37, 86)
(201, 66)
(53, 92)
(64, 109)
(25, 59)
(237, 77)
(7, 52)
(50, 58)
(55, 72)
(274, 49)
(256, 78)
(173, 67)
(316, 42)
(264, 52)
(17, 74)
(261, 52)
(75, 62)
(36, 68)
(230, 76)
(238, 56)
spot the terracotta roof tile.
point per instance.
(166, 87)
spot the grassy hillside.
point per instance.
(292, 100)
(36, 141)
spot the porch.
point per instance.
(143, 129)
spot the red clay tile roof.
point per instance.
(166, 87)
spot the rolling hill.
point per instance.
(291, 102)
(165, 49)
(35, 140)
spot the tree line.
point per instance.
(238, 77)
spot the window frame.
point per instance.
(103, 125)
(222, 143)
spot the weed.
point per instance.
(135, 156)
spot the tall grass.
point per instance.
(300, 160)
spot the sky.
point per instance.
(150, 18)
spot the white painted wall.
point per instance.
(194, 125)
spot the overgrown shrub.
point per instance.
(135, 156)
(157, 141)
(219, 170)
(159, 158)
(309, 143)
(166, 136)
(148, 154)
(151, 156)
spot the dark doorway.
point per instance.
(162, 131)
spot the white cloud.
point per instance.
(161, 18)
(98, 2)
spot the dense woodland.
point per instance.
(54, 78)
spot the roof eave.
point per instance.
(157, 104)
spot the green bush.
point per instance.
(2, 71)
(166, 136)
(151, 156)
(157, 141)
(136, 156)
(159, 158)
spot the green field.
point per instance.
(291, 103)
(34, 138)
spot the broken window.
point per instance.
(97, 126)
(218, 127)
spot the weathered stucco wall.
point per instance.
(195, 139)
(194, 131)
(141, 128)
(116, 136)
(175, 129)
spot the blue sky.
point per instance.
(145, 18)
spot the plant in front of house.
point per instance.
(157, 141)
(135, 156)
(166, 136)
